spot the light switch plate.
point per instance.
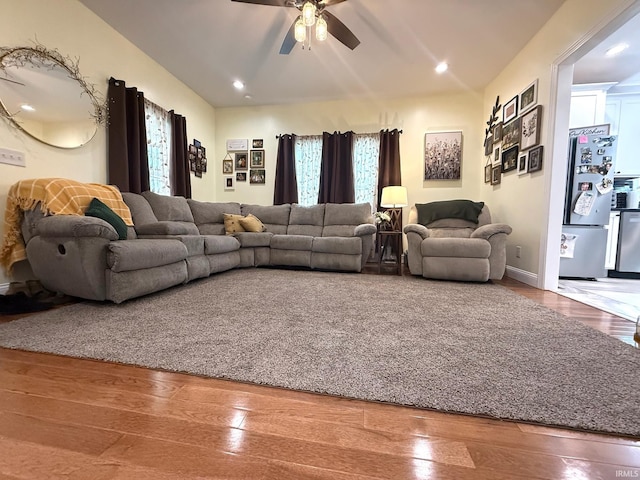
(12, 157)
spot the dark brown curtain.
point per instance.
(336, 171)
(180, 176)
(389, 161)
(286, 188)
(128, 167)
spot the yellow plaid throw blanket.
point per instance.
(56, 196)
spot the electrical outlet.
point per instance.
(12, 157)
(518, 251)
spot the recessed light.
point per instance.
(616, 49)
(248, 97)
(238, 84)
(27, 107)
(442, 67)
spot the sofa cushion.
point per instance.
(292, 242)
(215, 244)
(455, 247)
(211, 212)
(306, 220)
(141, 211)
(232, 223)
(98, 209)
(211, 229)
(274, 217)
(251, 223)
(459, 209)
(254, 239)
(167, 228)
(170, 208)
(347, 214)
(450, 232)
(128, 255)
(338, 245)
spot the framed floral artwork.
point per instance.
(530, 128)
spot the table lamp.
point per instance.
(394, 198)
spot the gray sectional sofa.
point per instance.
(175, 240)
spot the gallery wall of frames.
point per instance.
(512, 136)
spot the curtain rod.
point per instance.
(278, 136)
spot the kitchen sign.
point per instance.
(593, 130)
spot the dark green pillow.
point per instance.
(462, 209)
(99, 210)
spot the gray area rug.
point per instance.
(471, 348)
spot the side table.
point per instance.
(390, 240)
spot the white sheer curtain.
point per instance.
(158, 128)
(308, 152)
(366, 150)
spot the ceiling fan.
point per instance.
(334, 26)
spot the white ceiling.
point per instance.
(209, 43)
(624, 69)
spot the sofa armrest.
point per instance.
(417, 228)
(364, 229)
(75, 226)
(487, 231)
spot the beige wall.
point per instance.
(73, 30)
(523, 201)
(415, 116)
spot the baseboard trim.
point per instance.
(522, 276)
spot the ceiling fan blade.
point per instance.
(274, 3)
(289, 40)
(328, 3)
(340, 31)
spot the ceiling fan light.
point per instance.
(321, 29)
(300, 31)
(309, 13)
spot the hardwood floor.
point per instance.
(82, 419)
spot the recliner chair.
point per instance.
(444, 241)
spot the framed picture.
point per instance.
(535, 159)
(257, 158)
(443, 155)
(203, 164)
(241, 176)
(257, 176)
(237, 144)
(510, 110)
(196, 143)
(523, 163)
(511, 134)
(496, 173)
(509, 159)
(227, 166)
(257, 143)
(241, 161)
(497, 133)
(530, 128)
(529, 97)
(487, 173)
(228, 183)
(488, 146)
(497, 159)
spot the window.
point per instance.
(366, 150)
(158, 129)
(308, 157)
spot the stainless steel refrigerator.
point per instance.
(587, 206)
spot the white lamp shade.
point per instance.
(393, 197)
(300, 31)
